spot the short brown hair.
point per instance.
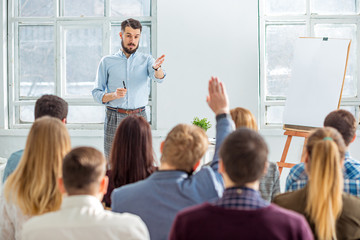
(244, 154)
(83, 168)
(134, 24)
(184, 146)
(344, 122)
(51, 105)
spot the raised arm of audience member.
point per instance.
(32, 189)
(331, 213)
(219, 103)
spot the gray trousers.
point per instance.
(112, 121)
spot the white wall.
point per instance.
(200, 38)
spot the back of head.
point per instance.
(83, 169)
(51, 105)
(244, 155)
(133, 23)
(325, 149)
(344, 122)
(33, 185)
(184, 146)
(132, 155)
(243, 118)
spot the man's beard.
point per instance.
(128, 51)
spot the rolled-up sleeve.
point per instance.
(151, 71)
(100, 83)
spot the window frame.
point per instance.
(309, 20)
(60, 23)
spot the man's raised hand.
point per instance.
(120, 93)
(158, 62)
(217, 99)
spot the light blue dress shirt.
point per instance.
(136, 71)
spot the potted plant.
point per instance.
(203, 123)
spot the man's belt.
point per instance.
(127, 111)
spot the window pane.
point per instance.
(130, 7)
(343, 31)
(83, 53)
(333, 6)
(144, 45)
(84, 8)
(279, 49)
(86, 114)
(277, 7)
(26, 114)
(36, 60)
(274, 115)
(36, 8)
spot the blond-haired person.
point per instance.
(32, 189)
(270, 182)
(331, 213)
(158, 198)
(82, 215)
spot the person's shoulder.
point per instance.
(288, 216)
(131, 188)
(289, 198)
(194, 212)
(124, 218)
(41, 221)
(297, 169)
(350, 203)
(16, 155)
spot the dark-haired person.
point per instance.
(346, 124)
(132, 155)
(159, 197)
(46, 105)
(81, 215)
(240, 213)
(123, 80)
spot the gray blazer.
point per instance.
(270, 183)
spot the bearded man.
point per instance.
(123, 80)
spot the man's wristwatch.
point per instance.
(157, 69)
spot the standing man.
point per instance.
(123, 80)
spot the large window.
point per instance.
(54, 47)
(281, 22)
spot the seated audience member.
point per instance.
(33, 188)
(240, 213)
(331, 213)
(158, 198)
(270, 182)
(81, 215)
(132, 154)
(47, 105)
(345, 123)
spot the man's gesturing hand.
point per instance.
(217, 100)
(120, 93)
(158, 62)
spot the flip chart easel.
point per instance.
(316, 87)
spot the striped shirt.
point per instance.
(241, 198)
(298, 178)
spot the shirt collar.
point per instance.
(76, 201)
(122, 54)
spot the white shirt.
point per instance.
(11, 219)
(83, 217)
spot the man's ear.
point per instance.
(61, 185)
(104, 185)
(121, 36)
(162, 147)
(266, 168)
(353, 138)
(221, 166)
(64, 120)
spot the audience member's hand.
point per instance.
(218, 100)
(120, 92)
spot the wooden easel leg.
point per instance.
(284, 154)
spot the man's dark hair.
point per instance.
(344, 122)
(244, 155)
(51, 105)
(134, 24)
(82, 169)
